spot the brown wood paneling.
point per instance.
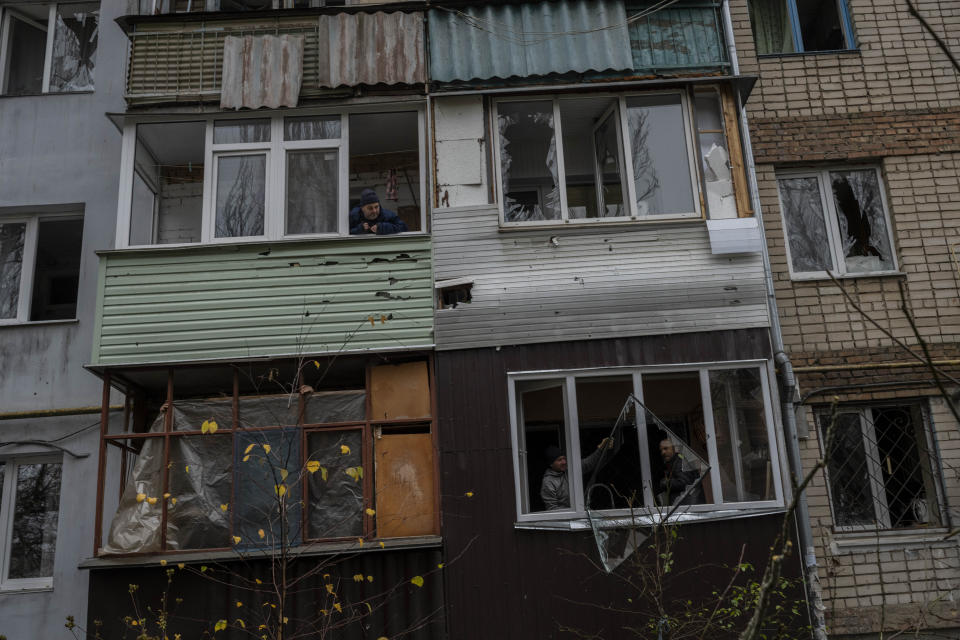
(404, 475)
(399, 391)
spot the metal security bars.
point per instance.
(883, 472)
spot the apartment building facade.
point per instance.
(854, 129)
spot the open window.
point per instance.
(236, 179)
(697, 439)
(796, 26)
(254, 471)
(48, 48)
(39, 267)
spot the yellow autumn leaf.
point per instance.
(316, 364)
(220, 626)
(173, 501)
(166, 495)
(329, 588)
(354, 472)
(141, 497)
(370, 512)
(239, 604)
(151, 500)
(261, 533)
(224, 507)
(280, 489)
(266, 448)
(246, 457)
(323, 473)
(180, 565)
(369, 578)
(336, 605)
(163, 563)
(360, 541)
(382, 546)
(383, 638)
(258, 580)
(344, 449)
(283, 474)
(417, 581)
(469, 494)
(373, 322)
(358, 577)
(236, 539)
(313, 466)
(286, 619)
(249, 448)
(209, 426)
(440, 566)
(241, 623)
(187, 468)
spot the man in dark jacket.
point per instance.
(676, 478)
(369, 217)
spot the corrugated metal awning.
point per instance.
(371, 48)
(261, 71)
(535, 39)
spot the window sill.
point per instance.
(579, 523)
(860, 542)
(235, 244)
(11, 590)
(800, 54)
(580, 225)
(318, 549)
(848, 276)
(49, 93)
(38, 323)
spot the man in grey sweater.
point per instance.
(554, 488)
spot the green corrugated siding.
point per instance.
(264, 299)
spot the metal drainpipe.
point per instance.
(804, 531)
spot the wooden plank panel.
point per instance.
(404, 484)
(400, 392)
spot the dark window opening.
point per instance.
(26, 49)
(57, 274)
(792, 26)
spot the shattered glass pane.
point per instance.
(311, 128)
(715, 157)
(862, 221)
(528, 162)
(12, 236)
(335, 489)
(241, 194)
(201, 480)
(26, 48)
(746, 472)
(805, 224)
(241, 131)
(312, 180)
(34, 532)
(74, 47)
(661, 165)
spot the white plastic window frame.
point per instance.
(878, 492)
(10, 13)
(7, 509)
(276, 183)
(572, 445)
(828, 206)
(29, 262)
(626, 158)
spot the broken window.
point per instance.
(29, 514)
(883, 471)
(704, 439)
(40, 58)
(40, 267)
(617, 157)
(258, 471)
(167, 201)
(273, 177)
(794, 26)
(836, 221)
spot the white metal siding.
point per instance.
(606, 282)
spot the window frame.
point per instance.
(874, 483)
(571, 421)
(7, 513)
(27, 275)
(277, 148)
(822, 176)
(846, 26)
(8, 13)
(625, 147)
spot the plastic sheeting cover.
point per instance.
(261, 71)
(335, 496)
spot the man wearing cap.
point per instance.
(369, 217)
(554, 490)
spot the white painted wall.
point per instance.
(461, 151)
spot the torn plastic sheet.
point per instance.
(335, 502)
(136, 525)
(720, 197)
(616, 544)
(74, 47)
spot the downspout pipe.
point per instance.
(782, 360)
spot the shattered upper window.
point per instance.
(528, 162)
(883, 471)
(836, 221)
(793, 26)
(70, 32)
(30, 503)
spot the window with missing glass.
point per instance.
(799, 26)
(220, 179)
(699, 438)
(596, 158)
(883, 472)
(29, 517)
(48, 48)
(836, 221)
